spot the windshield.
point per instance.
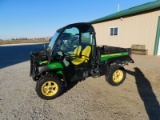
(67, 39)
(52, 42)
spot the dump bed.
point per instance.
(106, 53)
(110, 49)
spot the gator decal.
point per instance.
(105, 57)
(55, 65)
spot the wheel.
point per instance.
(116, 75)
(49, 87)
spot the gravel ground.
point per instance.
(90, 99)
(137, 98)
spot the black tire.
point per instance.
(49, 87)
(115, 75)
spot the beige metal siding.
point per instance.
(139, 29)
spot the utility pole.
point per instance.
(118, 8)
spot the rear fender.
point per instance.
(108, 66)
(120, 60)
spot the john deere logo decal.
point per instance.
(53, 66)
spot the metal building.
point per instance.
(139, 25)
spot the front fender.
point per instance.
(54, 66)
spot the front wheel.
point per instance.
(49, 87)
(116, 75)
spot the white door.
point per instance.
(158, 53)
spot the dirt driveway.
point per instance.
(138, 98)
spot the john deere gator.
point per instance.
(72, 55)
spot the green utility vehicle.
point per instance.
(72, 55)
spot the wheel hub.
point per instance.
(49, 88)
(117, 76)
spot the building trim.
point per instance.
(151, 6)
(157, 38)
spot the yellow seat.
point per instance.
(77, 51)
(84, 57)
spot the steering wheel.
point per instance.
(64, 54)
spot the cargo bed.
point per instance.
(110, 49)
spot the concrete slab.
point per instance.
(146, 62)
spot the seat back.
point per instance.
(77, 51)
(86, 52)
(84, 56)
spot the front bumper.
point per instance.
(35, 68)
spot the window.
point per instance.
(113, 31)
(86, 38)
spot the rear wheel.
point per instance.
(49, 87)
(116, 75)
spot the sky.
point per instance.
(41, 18)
